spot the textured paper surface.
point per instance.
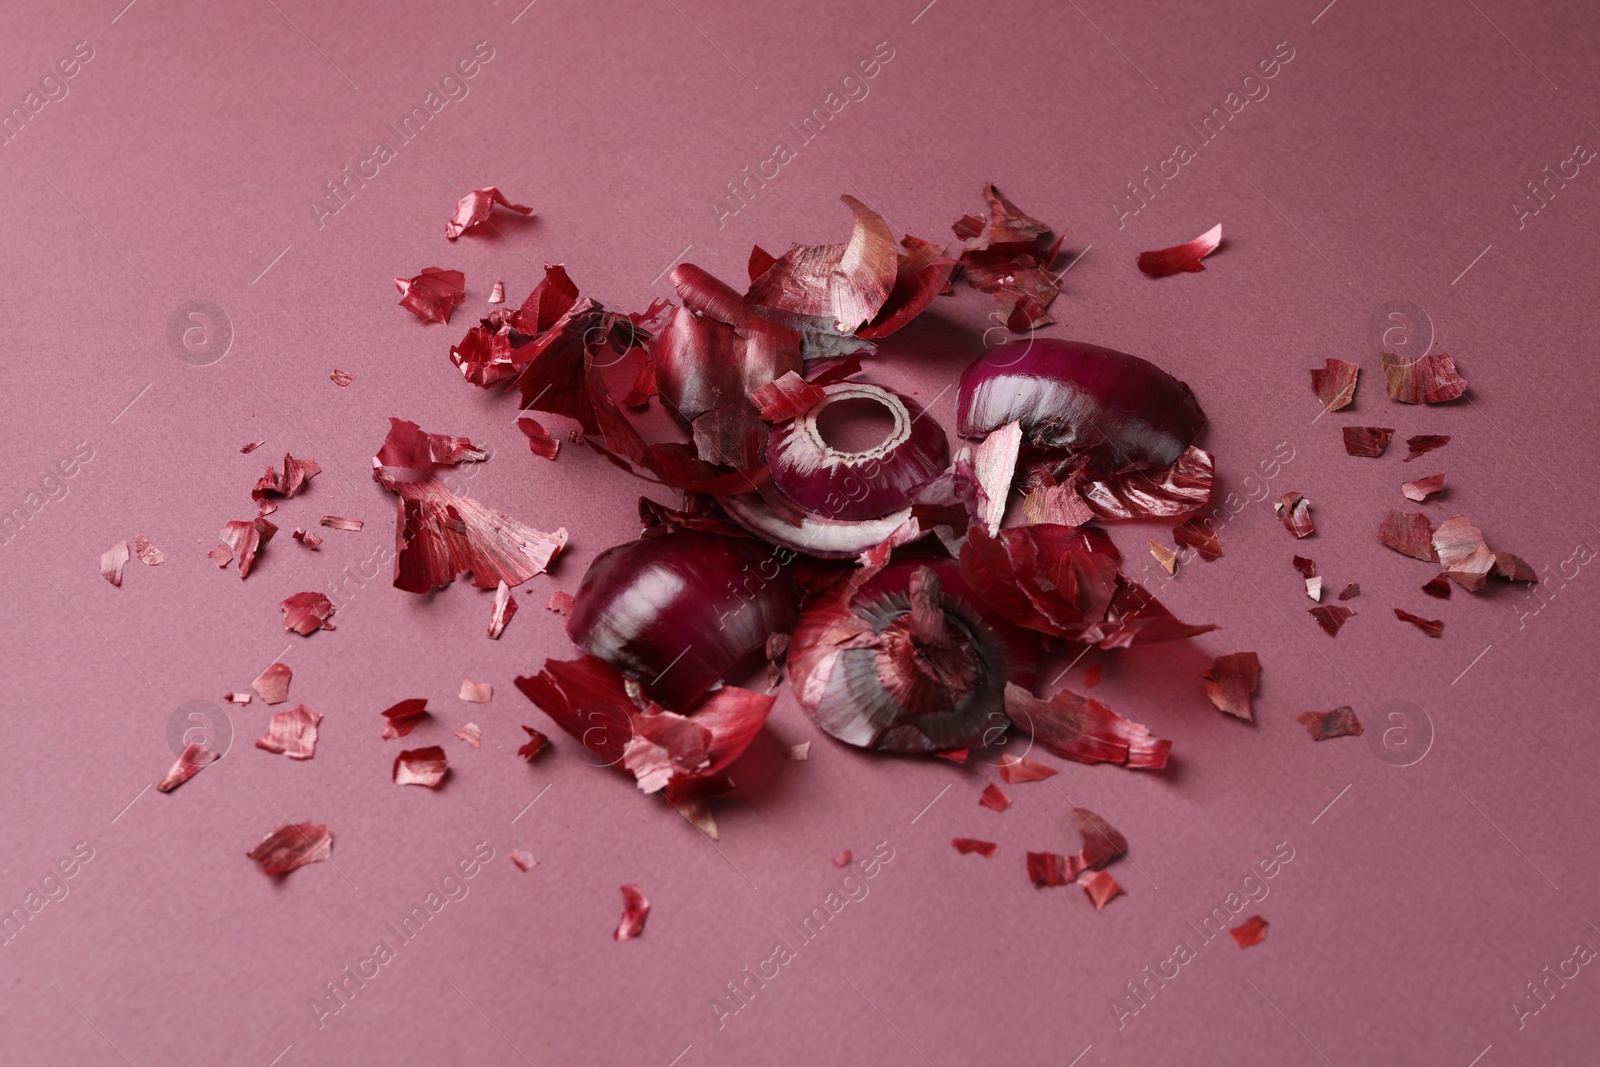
(181, 166)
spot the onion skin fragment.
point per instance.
(1119, 410)
(907, 660)
(851, 486)
(832, 288)
(678, 610)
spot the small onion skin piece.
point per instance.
(843, 683)
(678, 610)
(852, 486)
(1120, 410)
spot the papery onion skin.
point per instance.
(841, 656)
(676, 611)
(850, 486)
(1118, 409)
(1021, 646)
(833, 288)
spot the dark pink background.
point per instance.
(181, 165)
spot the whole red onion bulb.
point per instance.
(676, 611)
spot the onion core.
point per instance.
(869, 483)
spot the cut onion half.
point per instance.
(845, 481)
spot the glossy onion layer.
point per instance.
(677, 611)
(815, 536)
(1118, 410)
(871, 483)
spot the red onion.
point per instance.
(852, 485)
(678, 610)
(908, 660)
(1117, 409)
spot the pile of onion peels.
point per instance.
(825, 518)
(911, 578)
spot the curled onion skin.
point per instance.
(1119, 410)
(851, 486)
(678, 610)
(907, 661)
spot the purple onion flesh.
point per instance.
(678, 610)
(1118, 410)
